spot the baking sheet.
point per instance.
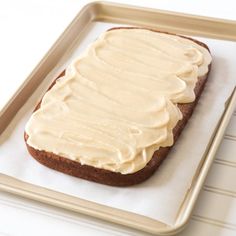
(161, 196)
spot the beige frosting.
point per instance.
(117, 102)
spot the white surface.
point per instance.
(28, 28)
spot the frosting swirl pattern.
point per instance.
(117, 103)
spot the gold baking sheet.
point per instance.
(123, 14)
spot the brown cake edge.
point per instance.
(107, 177)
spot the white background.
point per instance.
(27, 31)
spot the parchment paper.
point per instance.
(159, 197)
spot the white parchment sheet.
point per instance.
(159, 197)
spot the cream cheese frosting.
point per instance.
(117, 103)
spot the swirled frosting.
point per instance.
(116, 103)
